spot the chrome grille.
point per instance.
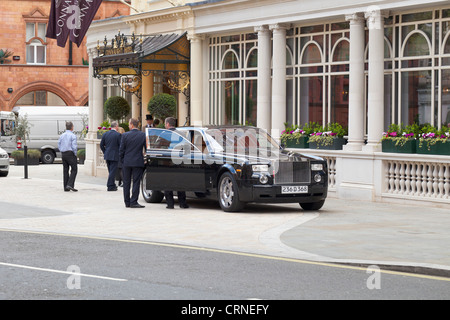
(292, 172)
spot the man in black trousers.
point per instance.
(67, 145)
(170, 124)
(131, 156)
(110, 145)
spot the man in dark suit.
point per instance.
(131, 156)
(110, 145)
(149, 119)
(170, 124)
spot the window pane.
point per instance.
(30, 54)
(30, 31)
(312, 54)
(40, 52)
(54, 100)
(416, 97)
(230, 94)
(417, 45)
(42, 30)
(230, 61)
(445, 97)
(311, 99)
(26, 100)
(41, 98)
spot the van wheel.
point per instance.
(47, 157)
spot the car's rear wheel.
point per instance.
(228, 194)
(150, 196)
(310, 206)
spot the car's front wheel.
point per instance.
(228, 194)
(311, 206)
(150, 196)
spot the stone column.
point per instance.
(375, 23)
(97, 103)
(356, 85)
(147, 94)
(90, 146)
(264, 78)
(196, 79)
(279, 79)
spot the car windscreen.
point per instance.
(244, 141)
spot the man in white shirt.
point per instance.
(67, 145)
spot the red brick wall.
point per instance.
(71, 83)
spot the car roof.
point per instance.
(217, 127)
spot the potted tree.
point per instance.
(162, 105)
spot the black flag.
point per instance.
(71, 19)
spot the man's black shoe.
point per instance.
(71, 189)
(184, 206)
(113, 189)
(66, 189)
(137, 205)
(169, 207)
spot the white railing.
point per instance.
(395, 176)
(419, 179)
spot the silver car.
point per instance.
(4, 163)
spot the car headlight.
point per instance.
(260, 168)
(4, 155)
(316, 166)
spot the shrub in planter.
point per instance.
(296, 137)
(400, 138)
(162, 105)
(433, 141)
(329, 137)
(19, 157)
(117, 107)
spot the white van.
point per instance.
(48, 123)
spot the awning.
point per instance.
(168, 52)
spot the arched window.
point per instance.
(36, 45)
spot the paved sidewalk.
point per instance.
(412, 238)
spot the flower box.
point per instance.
(389, 145)
(433, 147)
(301, 142)
(336, 144)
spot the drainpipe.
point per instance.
(70, 53)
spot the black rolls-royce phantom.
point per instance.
(233, 164)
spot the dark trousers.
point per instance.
(69, 161)
(112, 169)
(169, 198)
(131, 174)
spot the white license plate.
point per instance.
(294, 189)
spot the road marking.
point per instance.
(253, 255)
(59, 271)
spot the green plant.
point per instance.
(294, 132)
(431, 135)
(125, 126)
(162, 105)
(117, 107)
(5, 54)
(81, 153)
(401, 134)
(20, 154)
(104, 126)
(325, 135)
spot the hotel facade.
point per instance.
(363, 64)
